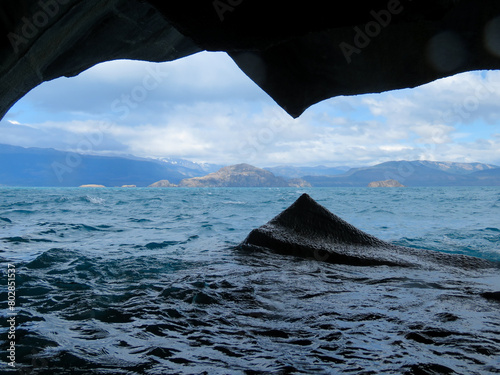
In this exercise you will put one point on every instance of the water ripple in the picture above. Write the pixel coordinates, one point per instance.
(132, 290)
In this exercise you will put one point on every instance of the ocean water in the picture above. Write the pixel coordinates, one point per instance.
(150, 281)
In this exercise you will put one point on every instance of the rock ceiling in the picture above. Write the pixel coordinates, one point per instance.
(299, 53)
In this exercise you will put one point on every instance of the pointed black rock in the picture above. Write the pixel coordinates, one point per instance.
(494, 296)
(309, 230)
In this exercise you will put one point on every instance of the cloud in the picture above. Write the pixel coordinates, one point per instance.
(461, 99)
(204, 108)
(80, 136)
(433, 133)
(224, 135)
(136, 91)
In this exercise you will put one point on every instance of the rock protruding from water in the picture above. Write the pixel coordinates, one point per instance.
(494, 296)
(239, 175)
(386, 183)
(162, 183)
(309, 230)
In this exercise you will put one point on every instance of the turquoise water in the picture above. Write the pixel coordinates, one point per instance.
(133, 281)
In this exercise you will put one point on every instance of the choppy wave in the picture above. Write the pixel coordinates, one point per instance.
(129, 289)
(94, 200)
(24, 239)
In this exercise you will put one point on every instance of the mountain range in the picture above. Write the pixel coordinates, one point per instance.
(48, 167)
(288, 171)
(241, 175)
(42, 167)
(414, 173)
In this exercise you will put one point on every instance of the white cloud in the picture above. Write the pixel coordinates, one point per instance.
(463, 98)
(203, 108)
(433, 134)
(135, 90)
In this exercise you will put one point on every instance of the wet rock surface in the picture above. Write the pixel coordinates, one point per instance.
(309, 230)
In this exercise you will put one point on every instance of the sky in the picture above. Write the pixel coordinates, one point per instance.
(204, 109)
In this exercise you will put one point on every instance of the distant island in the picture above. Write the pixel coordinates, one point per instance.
(162, 184)
(414, 173)
(92, 186)
(386, 183)
(239, 175)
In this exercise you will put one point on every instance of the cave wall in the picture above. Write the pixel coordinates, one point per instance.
(299, 53)
(47, 39)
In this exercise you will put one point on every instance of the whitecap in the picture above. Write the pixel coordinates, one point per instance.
(94, 200)
(234, 202)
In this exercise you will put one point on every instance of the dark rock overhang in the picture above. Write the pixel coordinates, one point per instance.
(299, 53)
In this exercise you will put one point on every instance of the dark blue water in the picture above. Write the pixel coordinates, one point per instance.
(148, 281)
